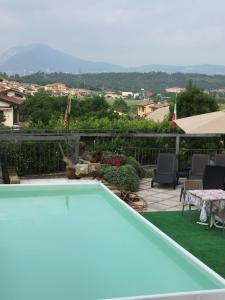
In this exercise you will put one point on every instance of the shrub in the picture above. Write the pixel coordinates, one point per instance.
(141, 172)
(124, 177)
(107, 154)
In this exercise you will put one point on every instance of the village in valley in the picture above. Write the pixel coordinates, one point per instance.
(142, 104)
(13, 94)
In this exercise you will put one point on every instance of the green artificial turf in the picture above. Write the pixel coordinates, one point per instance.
(207, 245)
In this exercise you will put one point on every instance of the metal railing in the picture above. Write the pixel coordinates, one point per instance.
(45, 157)
(33, 153)
(32, 157)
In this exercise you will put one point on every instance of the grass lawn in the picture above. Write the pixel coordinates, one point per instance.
(131, 102)
(207, 245)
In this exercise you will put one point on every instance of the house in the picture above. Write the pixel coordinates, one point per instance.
(112, 95)
(127, 95)
(159, 114)
(149, 94)
(80, 92)
(10, 102)
(175, 90)
(136, 96)
(147, 107)
(55, 87)
(144, 108)
(11, 92)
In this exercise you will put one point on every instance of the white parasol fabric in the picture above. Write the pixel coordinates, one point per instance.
(205, 123)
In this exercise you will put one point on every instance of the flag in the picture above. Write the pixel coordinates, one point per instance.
(174, 118)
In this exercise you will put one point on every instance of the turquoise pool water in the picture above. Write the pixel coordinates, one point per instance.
(77, 242)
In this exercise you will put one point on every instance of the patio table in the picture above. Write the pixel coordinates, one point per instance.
(204, 200)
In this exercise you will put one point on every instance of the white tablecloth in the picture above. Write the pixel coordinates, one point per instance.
(202, 199)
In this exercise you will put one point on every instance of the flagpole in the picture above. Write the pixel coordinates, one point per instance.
(68, 111)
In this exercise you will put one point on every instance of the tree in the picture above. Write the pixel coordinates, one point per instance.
(120, 105)
(42, 107)
(194, 101)
(93, 104)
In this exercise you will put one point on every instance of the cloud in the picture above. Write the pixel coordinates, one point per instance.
(126, 32)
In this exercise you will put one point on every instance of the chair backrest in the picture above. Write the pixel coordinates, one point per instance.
(193, 184)
(214, 177)
(199, 161)
(167, 162)
(220, 159)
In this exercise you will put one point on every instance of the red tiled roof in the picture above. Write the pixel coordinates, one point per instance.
(12, 100)
(149, 93)
(13, 90)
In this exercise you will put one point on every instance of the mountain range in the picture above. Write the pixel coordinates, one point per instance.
(24, 60)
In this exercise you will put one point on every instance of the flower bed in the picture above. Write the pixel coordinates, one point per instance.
(121, 171)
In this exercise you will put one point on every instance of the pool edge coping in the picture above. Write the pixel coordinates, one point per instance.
(193, 295)
(181, 249)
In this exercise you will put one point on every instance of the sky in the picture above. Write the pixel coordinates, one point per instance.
(123, 32)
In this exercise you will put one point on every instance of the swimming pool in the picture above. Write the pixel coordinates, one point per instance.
(79, 241)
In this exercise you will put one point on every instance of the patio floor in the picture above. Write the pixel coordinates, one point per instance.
(159, 198)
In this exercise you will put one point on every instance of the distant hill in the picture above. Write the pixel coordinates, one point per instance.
(42, 58)
(155, 81)
(197, 69)
(38, 57)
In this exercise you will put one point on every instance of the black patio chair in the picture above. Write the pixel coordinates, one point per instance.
(220, 160)
(190, 184)
(199, 161)
(214, 178)
(167, 170)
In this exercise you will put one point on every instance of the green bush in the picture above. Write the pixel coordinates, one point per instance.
(124, 177)
(141, 172)
(108, 154)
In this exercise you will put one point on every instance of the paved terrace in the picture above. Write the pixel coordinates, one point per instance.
(159, 198)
